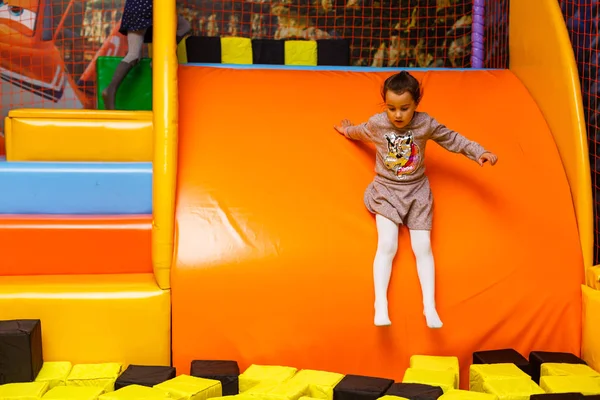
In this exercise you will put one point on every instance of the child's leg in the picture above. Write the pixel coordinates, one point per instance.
(387, 245)
(135, 41)
(421, 245)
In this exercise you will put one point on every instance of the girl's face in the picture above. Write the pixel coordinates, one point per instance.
(400, 108)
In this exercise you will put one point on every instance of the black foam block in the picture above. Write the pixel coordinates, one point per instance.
(268, 51)
(203, 49)
(359, 387)
(20, 350)
(537, 358)
(334, 52)
(502, 356)
(225, 371)
(592, 397)
(415, 391)
(558, 396)
(144, 375)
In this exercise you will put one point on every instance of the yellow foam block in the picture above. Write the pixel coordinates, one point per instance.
(390, 397)
(301, 52)
(561, 369)
(73, 393)
(136, 392)
(457, 394)
(54, 372)
(512, 389)
(94, 318)
(186, 387)
(438, 363)
(443, 378)
(269, 374)
(479, 373)
(312, 398)
(587, 385)
(320, 383)
(592, 277)
(96, 375)
(23, 391)
(590, 345)
(79, 135)
(236, 50)
(287, 390)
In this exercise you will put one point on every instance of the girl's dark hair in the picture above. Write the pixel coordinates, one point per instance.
(402, 82)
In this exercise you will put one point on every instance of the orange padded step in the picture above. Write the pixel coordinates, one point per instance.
(53, 245)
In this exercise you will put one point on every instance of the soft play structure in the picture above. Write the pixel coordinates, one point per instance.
(208, 247)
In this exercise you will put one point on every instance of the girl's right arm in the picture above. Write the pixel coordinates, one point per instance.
(355, 132)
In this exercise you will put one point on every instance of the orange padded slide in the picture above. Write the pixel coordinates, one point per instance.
(53, 245)
(275, 247)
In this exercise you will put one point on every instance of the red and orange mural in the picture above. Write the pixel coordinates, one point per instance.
(48, 50)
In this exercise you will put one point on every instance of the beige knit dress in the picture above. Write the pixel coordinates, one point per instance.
(400, 190)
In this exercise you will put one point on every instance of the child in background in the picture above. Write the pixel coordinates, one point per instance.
(400, 192)
(136, 23)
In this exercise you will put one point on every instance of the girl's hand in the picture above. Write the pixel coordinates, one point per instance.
(341, 128)
(487, 156)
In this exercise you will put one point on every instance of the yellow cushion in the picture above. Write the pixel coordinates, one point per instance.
(136, 392)
(97, 375)
(512, 389)
(456, 394)
(320, 383)
(479, 373)
(438, 363)
(236, 50)
(587, 385)
(73, 393)
(287, 390)
(443, 379)
(301, 52)
(256, 374)
(593, 277)
(23, 391)
(390, 397)
(55, 373)
(185, 387)
(559, 369)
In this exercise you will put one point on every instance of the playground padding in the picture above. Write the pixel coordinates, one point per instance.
(274, 246)
(55, 245)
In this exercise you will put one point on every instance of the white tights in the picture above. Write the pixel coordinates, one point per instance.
(387, 246)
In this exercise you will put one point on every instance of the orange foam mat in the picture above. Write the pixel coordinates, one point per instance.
(275, 248)
(53, 245)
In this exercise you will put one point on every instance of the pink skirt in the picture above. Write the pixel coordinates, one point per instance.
(409, 204)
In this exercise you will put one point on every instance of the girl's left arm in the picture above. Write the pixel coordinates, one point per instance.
(455, 142)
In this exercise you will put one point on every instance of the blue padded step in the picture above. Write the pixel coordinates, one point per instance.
(75, 188)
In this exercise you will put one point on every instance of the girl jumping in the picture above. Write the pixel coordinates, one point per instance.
(400, 193)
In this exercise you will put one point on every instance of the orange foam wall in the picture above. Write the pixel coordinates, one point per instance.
(274, 246)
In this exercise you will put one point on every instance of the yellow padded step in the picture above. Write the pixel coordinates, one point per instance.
(592, 277)
(79, 135)
(93, 318)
